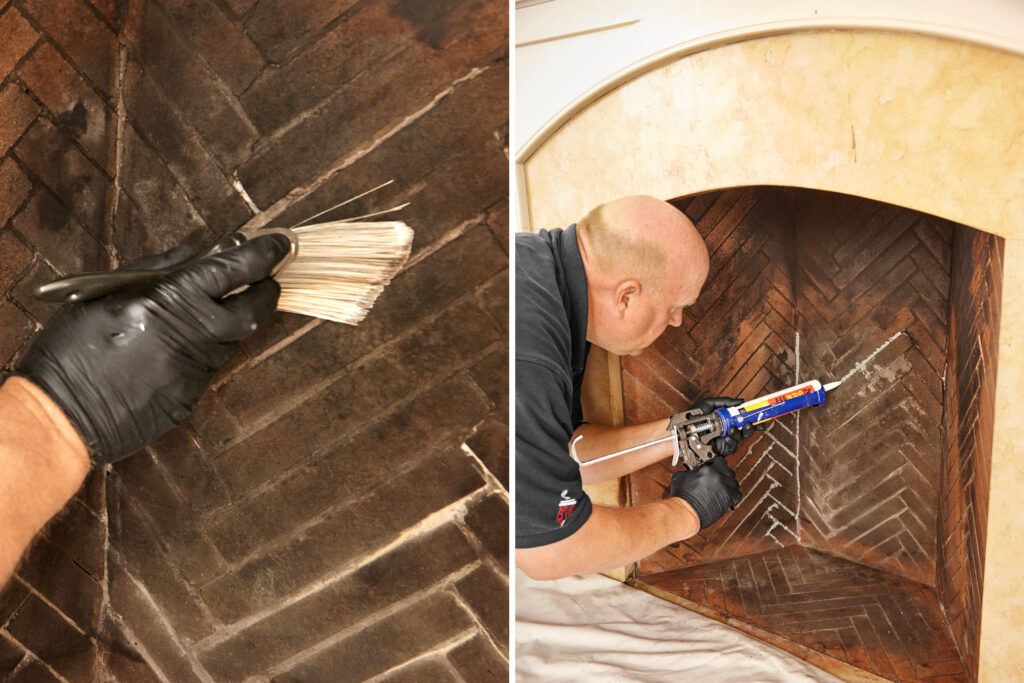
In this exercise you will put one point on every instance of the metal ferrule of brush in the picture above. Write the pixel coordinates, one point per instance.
(694, 432)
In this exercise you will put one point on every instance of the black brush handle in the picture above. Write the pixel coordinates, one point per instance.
(87, 286)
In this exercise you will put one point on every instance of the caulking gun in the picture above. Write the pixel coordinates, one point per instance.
(692, 431)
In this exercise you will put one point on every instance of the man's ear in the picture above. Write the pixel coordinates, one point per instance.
(625, 295)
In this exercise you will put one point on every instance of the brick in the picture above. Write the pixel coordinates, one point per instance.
(173, 518)
(135, 540)
(407, 569)
(109, 10)
(47, 635)
(68, 173)
(352, 530)
(477, 660)
(93, 494)
(286, 90)
(17, 328)
(491, 375)
(220, 39)
(490, 443)
(497, 220)
(240, 7)
(430, 285)
(370, 104)
(148, 631)
(187, 465)
(133, 237)
(15, 258)
(47, 569)
(488, 520)
(382, 449)
(32, 671)
(407, 633)
(433, 670)
(48, 225)
(11, 597)
(19, 111)
(185, 80)
(487, 594)
(10, 656)
(412, 363)
(280, 27)
(19, 36)
(184, 153)
(14, 188)
(78, 111)
(90, 43)
(38, 273)
(493, 298)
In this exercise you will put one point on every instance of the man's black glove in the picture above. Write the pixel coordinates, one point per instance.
(711, 489)
(127, 367)
(725, 445)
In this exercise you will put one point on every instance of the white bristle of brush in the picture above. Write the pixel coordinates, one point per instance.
(341, 268)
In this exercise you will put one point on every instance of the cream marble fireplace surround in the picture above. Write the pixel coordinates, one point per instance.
(930, 122)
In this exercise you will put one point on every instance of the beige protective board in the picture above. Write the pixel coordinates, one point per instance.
(1002, 617)
(918, 121)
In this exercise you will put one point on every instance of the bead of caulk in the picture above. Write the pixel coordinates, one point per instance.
(253, 326)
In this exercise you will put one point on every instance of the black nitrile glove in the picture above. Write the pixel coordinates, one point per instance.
(725, 445)
(127, 367)
(711, 490)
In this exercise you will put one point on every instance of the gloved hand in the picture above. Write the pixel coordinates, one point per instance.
(711, 490)
(725, 445)
(127, 367)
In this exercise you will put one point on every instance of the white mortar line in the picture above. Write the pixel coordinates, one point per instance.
(46, 601)
(240, 189)
(431, 522)
(281, 205)
(439, 652)
(29, 654)
(367, 622)
(861, 365)
(188, 653)
(491, 480)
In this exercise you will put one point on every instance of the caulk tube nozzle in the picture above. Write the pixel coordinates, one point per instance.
(832, 385)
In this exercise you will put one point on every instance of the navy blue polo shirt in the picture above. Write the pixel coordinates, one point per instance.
(551, 354)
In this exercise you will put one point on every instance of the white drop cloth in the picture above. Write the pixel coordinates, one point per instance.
(597, 629)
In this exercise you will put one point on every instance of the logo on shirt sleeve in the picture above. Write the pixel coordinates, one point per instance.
(565, 508)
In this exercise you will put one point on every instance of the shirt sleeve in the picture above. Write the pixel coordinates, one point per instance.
(550, 502)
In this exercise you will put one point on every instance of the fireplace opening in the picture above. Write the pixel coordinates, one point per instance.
(861, 534)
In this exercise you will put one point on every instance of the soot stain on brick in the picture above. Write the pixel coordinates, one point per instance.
(74, 120)
(53, 214)
(433, 20)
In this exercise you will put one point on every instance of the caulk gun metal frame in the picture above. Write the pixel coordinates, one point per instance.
(692, 431)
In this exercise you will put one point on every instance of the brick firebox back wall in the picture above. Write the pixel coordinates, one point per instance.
(892, 472)
(291, 527)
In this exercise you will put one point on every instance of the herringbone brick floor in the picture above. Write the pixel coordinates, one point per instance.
(336, 508)
(880, 622)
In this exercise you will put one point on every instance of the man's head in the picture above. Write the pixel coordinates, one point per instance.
(645, 262)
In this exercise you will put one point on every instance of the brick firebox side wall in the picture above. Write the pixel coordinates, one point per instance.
(293, 523)
(969, 414)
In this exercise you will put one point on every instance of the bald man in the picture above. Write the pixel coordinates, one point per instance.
(618, 278)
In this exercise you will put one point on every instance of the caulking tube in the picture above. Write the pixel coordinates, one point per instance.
(766, 408)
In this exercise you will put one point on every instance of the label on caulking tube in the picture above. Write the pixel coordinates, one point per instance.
(765, 408)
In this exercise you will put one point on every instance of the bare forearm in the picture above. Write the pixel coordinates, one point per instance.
(600, 440)
(43, 462)
(612, 537)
